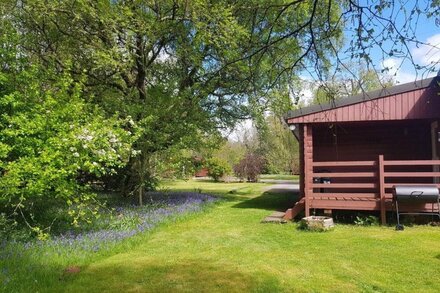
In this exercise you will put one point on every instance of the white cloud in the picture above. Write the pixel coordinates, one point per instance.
(390, 65)
(424, 55)
(393, 69)
(428, 54)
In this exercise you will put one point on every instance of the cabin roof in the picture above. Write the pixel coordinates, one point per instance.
(332, 113)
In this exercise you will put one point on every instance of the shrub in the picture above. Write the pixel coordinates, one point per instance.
(366, 221)
(250, 167)
(217, 168)
(51, 139)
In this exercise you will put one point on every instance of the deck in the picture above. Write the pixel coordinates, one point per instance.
(363, 185)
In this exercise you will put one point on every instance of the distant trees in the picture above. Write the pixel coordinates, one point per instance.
(343, 84)
(230, 151)
(281, 149)
(249, 167)
(273, 149)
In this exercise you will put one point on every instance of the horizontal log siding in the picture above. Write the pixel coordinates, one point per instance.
(355, 147)
(348, 155)
(364, 142)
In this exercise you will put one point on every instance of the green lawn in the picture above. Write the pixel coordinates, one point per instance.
(227, 249)
(279, 177)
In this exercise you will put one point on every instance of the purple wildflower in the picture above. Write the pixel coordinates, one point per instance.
(135, 219)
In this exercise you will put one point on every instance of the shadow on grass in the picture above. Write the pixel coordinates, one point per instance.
(275, 199)
(151, 275)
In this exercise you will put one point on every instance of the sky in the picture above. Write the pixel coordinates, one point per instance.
(428, 31)
(400, 69)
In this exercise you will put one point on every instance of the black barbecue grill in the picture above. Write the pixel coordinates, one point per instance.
(416, 194)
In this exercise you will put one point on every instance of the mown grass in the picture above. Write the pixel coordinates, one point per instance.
(227, 249)
(279, 177)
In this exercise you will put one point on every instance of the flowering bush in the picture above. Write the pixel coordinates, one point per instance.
(50, 135)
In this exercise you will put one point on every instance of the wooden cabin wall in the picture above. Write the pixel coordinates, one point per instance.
(357, 142)
(366, 141)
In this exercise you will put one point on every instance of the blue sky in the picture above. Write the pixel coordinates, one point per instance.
(400, 69)
(426, 31)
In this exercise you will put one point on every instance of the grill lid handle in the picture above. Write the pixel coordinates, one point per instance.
(416, 193)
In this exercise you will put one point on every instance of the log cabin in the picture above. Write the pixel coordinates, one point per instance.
(354, 150)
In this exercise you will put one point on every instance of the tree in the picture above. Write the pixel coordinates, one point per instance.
(49, 139)
(249, 167)
(342, 84)
(231, 152)
(180, 69)
(281, 150)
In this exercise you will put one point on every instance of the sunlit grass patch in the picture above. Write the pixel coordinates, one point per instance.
(227, 249)
(280, 177)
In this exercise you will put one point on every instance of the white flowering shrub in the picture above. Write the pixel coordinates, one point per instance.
(47, 138)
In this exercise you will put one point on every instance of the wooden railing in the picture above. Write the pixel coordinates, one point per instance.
(365, 184)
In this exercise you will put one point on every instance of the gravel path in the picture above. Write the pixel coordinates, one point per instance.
(283, 187)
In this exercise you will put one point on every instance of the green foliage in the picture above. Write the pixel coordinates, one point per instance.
(350, 82)
(281, 149)
(366, 220)
(231, 152)
(125, 222)
(217, 168)
(7, 226)
(181, 70)
(180, 162)
(50, 137)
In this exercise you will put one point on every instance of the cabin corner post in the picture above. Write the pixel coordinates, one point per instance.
(301, 161)
(383, 217)
(308, 166)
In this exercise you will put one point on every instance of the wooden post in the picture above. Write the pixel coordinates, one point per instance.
(434, 147)
(383, 211)
(308, 166)
(301, 162)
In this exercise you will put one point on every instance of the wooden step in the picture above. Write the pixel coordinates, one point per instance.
(297, 208)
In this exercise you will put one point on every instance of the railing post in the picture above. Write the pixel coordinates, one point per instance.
(308, 166)
(383, 211)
